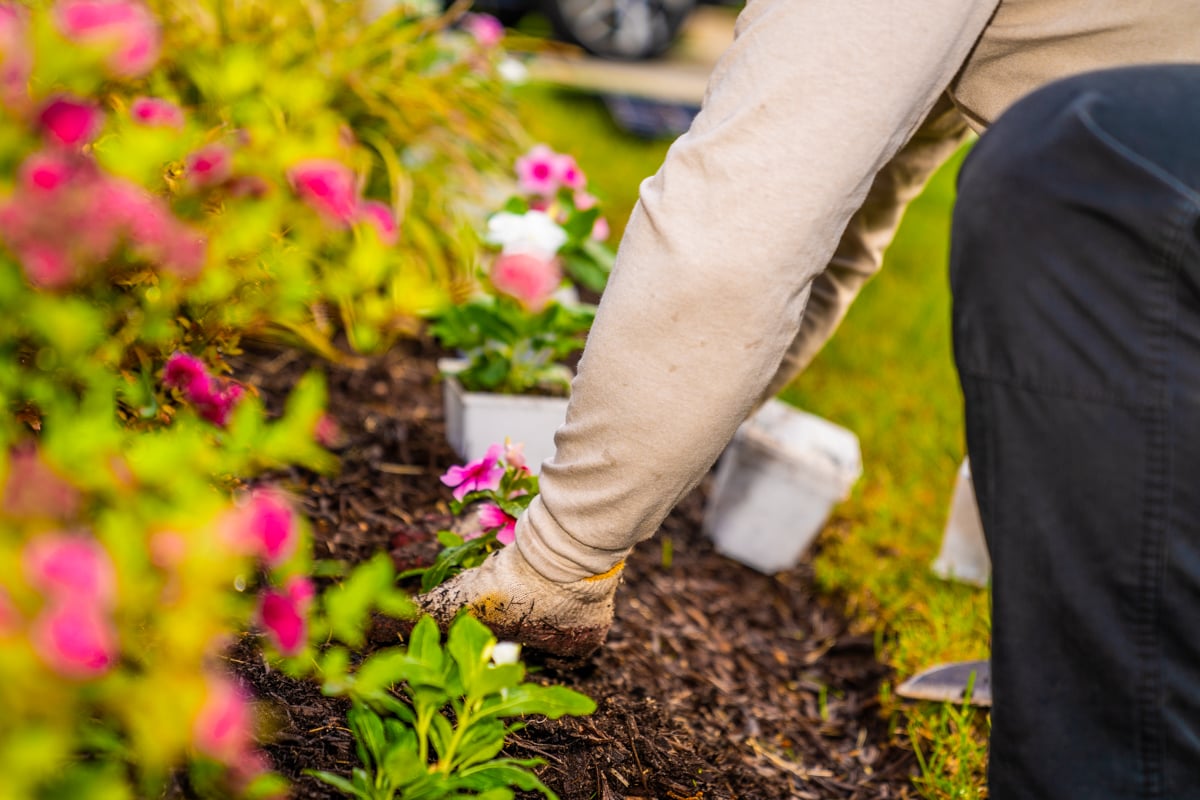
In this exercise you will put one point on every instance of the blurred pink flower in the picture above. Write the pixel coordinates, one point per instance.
(69, 121)
(212, 400)
(537, 171)
(10, 617)
(272, 526)
(46, 265)
(600, 231)
(382, 219)
(327, 186)
(224, 727)
(478, 476)
(585, 201)
(45, 171)
(125, 27)
(209, 166)
(568, 172)
(283, 614)
(167, 549)
(487, 30)
(16, 55)
(34, 489)
(529, 278)
(327, 432)
(75, 638)
(493, 517)
(71, 566)
(514, 454)
(156, 112)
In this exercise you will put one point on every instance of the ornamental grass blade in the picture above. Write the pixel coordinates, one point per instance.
(968, 682)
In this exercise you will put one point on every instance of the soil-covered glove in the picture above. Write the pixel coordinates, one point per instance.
(569, 620)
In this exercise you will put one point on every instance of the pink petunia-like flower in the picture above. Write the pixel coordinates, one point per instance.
(483, 475)
(75, 638)
(125, 28)
(70, 122)
(493, 517)
(380, 217)
(327, 186)
(155, 112)
(283, 615)
(224, 727)
(34, 489)
(211, 165)
(16, 55)
(486, 29)
(568, 173)
(537, 171)
(45, 171)
(529, 278)
(71, 566)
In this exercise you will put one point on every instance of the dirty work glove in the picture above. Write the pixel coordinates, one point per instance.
(569, 620)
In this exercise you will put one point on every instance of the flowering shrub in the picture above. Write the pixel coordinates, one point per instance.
(496, 490)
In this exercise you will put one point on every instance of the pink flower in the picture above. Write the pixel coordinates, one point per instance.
(126, 28)
(70, 122)
(327, 186)
(380, 217)
(45, 172)
(46, 265)
(529, 278)
(479, 476)
(492, 516)
(71, 566)
(155, 112)
(600, 231)
(514, 454)
(273, 526)
(283, 615)
(487, 30)
(224, 727)
(209, 166)
(185, 372)
(75, 638)
(212, 400)
(568, 172)
(537, 171)
(34, 489)
(327, 432)
(16, 55)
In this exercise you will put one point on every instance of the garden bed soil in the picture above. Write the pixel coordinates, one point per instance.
(715, 682)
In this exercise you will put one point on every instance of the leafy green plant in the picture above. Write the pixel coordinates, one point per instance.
(510, 350)
(440, 733)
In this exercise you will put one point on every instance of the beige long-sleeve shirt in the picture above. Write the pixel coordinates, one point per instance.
(821, 121)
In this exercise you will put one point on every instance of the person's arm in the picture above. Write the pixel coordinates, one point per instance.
(810, 102)
(859, 254)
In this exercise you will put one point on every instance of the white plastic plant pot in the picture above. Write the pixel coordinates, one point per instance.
(477, 420)
(777, 484)
(964, 554)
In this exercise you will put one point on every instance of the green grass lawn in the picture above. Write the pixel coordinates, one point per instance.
(888, 376)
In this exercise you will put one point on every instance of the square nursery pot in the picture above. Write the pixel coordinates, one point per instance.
(964, 554)
(776, 485)
(477, 420)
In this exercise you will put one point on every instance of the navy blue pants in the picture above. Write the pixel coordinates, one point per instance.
(1075, 266)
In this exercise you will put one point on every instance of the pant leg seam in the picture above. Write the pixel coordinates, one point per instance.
(1071, 393)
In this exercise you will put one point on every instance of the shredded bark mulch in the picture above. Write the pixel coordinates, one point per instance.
(715, 682)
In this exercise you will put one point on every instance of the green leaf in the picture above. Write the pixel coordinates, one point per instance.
(468, 642)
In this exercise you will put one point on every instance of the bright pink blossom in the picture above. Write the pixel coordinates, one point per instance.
(537, 171)
(34, 489)
(568, 172)
(483, 475)
(69, 121)
(493, 517)
(183, 370)
(156, 112)
(382, 219)
(486, 29)
(75, 638)
(16, 55)
(529, 278)
(272, 524)
(211, 165)
(224, 727)
(283, 614)
(71, 566)
(327, 186)
(125, 28)
(214, 400)
(45, 171)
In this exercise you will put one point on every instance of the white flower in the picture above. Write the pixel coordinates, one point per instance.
(506, 653)
(512, 71)
(533, 232)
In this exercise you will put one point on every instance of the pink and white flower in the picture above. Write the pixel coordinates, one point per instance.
(71, 567)
(493, 517)
(45, 171)
(486, 29)
(530, 279)
(329, 187)
(537, 171)
(284, 615)
(568, 173)
(75, 638)
(69, 121)
(155, 112)
(125, 28)
(211, 165)
(483, 475)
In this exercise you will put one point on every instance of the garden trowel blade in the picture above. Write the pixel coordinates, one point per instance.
(949, 683)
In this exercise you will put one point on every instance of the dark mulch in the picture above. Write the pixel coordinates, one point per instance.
(716, 682)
